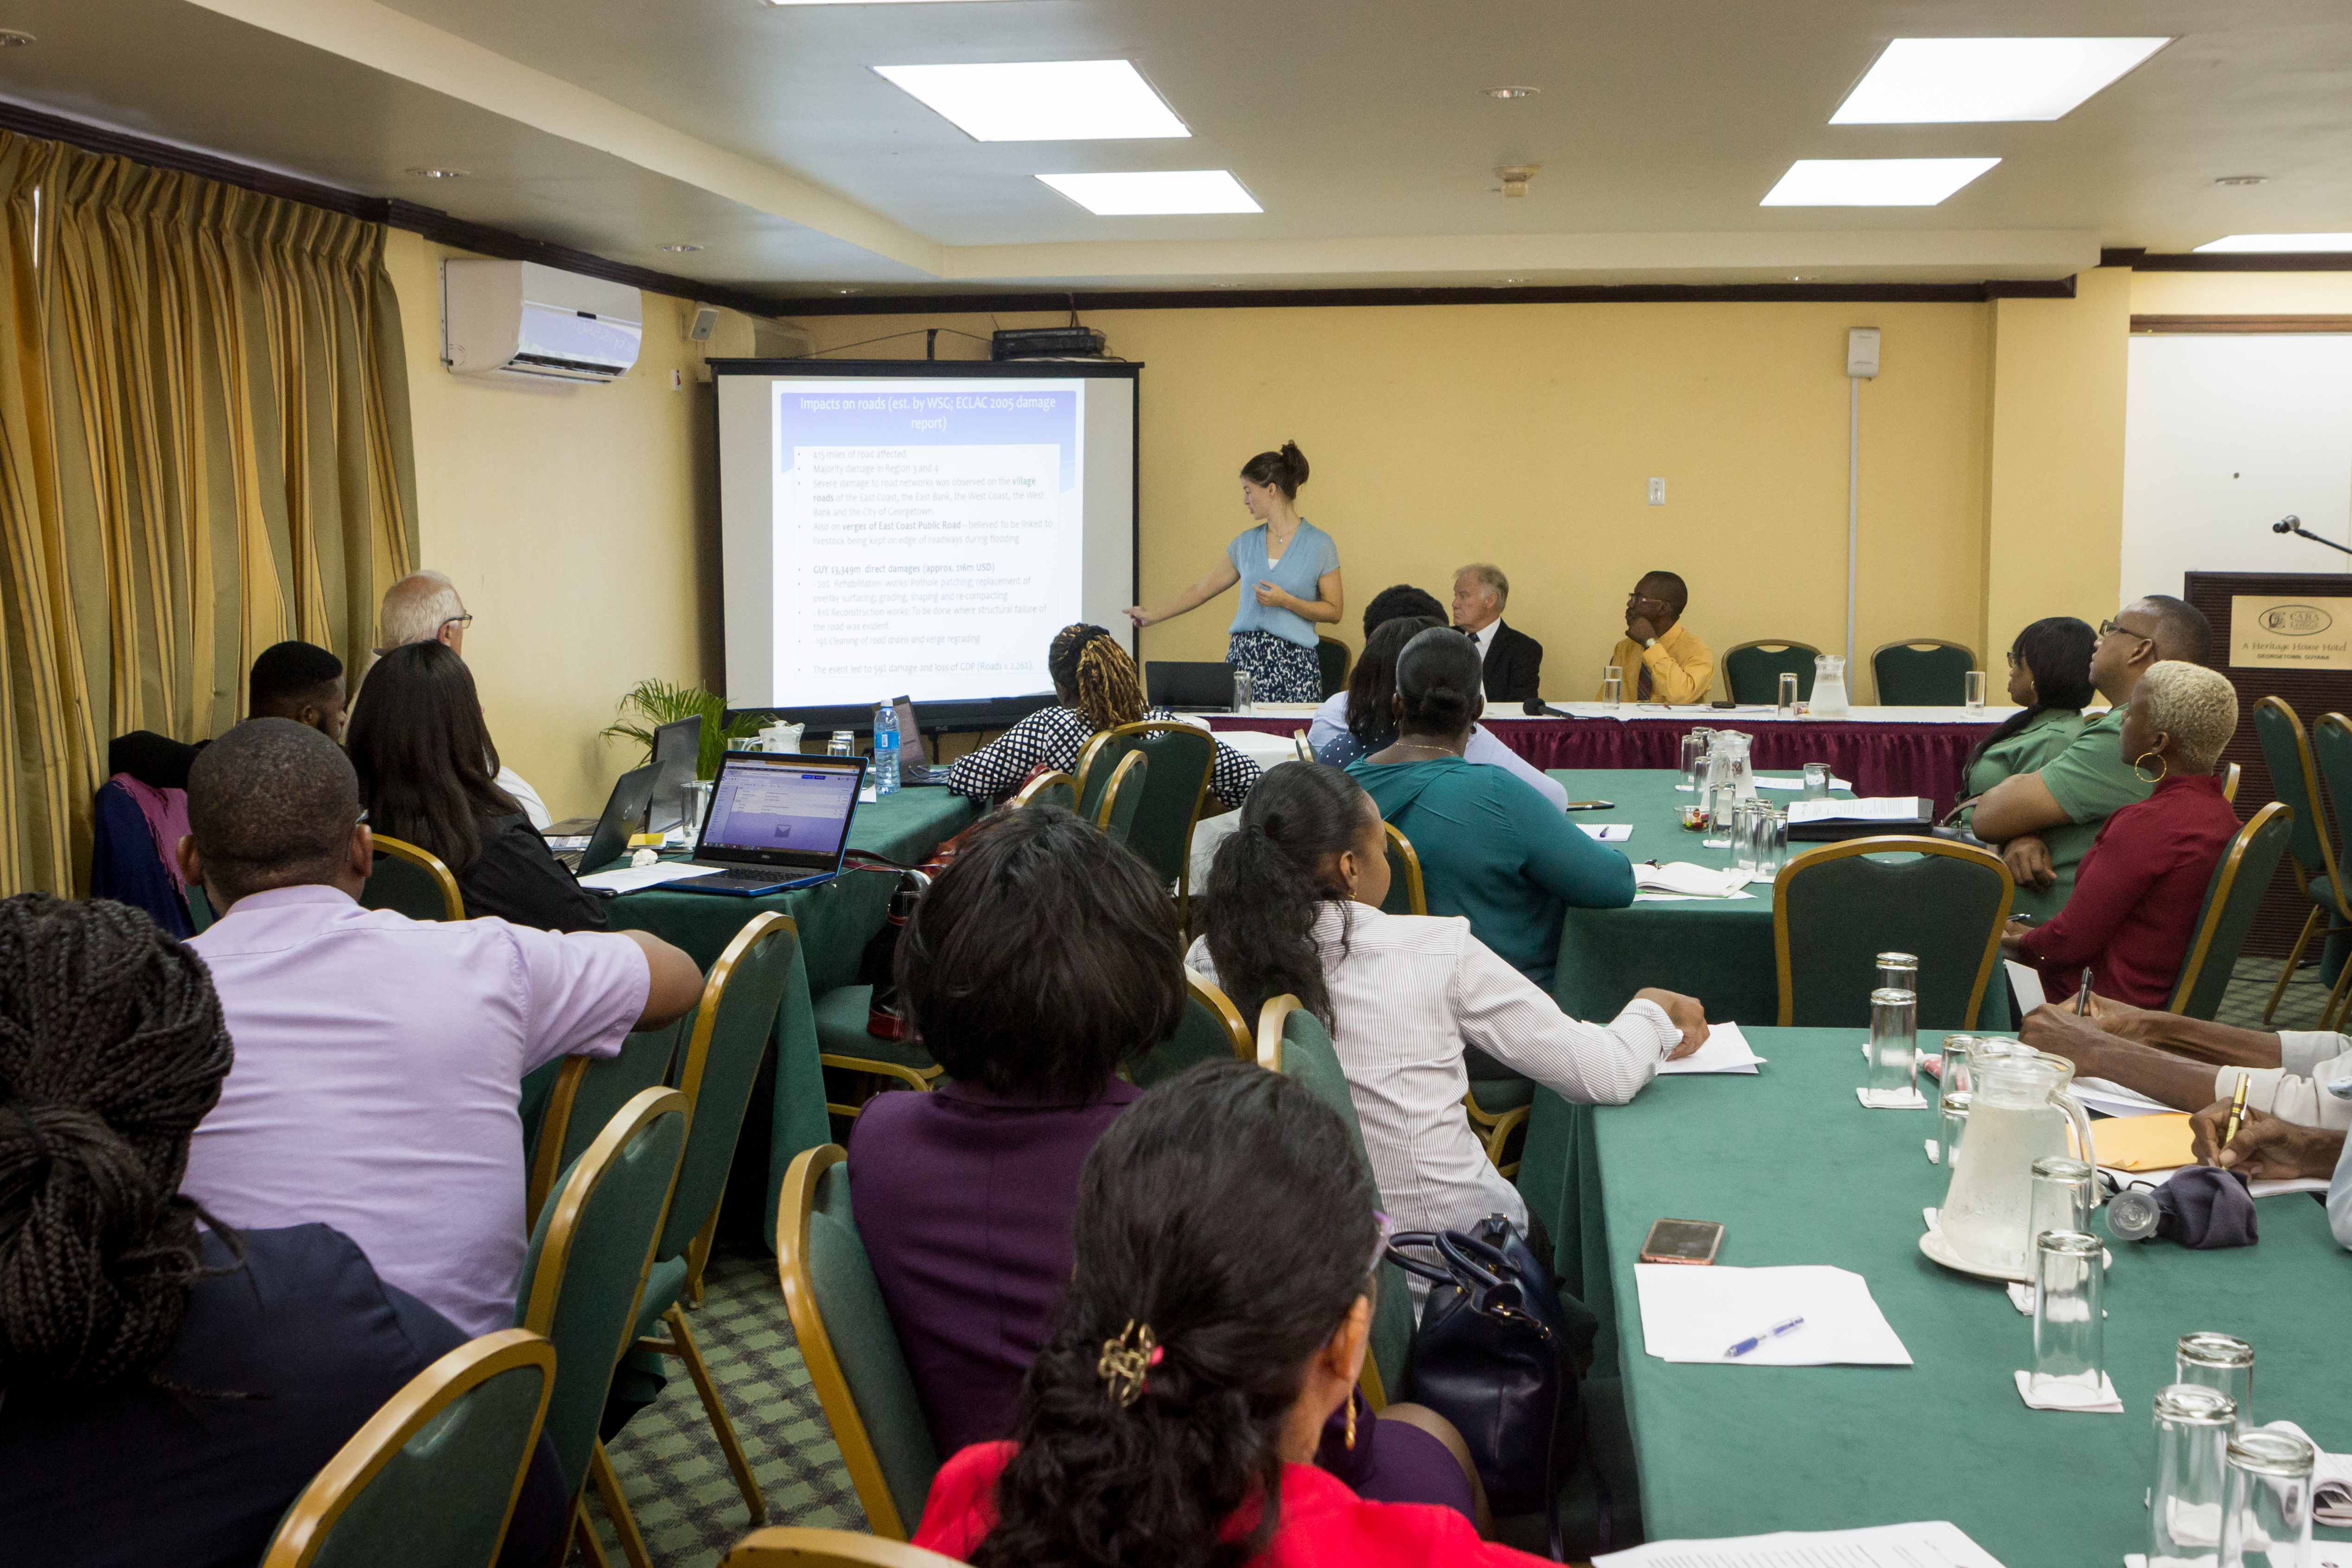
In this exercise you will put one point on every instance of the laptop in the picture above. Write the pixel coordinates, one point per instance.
(776, 822)
(914, 762)
(678, 747)
(624, 809)
(1189, 688)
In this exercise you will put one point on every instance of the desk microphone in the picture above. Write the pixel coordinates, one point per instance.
(2291, 524)
(1536, 707)
(2286, 525)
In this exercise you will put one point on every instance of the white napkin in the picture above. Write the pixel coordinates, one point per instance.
(2109, 1403)
(2331, 1480)
(1890, 1099)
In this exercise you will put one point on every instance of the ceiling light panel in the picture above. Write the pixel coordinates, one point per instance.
(1872, 181)
(1049, 100)
(1932, 81)
(1154, 192)
(2279, 243)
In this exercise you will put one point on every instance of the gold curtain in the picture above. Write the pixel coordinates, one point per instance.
(204, 450)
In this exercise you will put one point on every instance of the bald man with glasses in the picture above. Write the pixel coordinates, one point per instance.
(2043, 821)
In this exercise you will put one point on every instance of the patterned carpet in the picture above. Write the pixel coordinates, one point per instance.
(679, 1484)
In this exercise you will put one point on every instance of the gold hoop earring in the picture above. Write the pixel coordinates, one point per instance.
(1352, 1419)
(2164, 768)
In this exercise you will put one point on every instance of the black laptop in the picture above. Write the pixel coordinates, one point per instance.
(776, 822)
(624, 809)
(1203, 686)
(677, 749)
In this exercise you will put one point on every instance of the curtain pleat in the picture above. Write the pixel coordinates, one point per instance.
(204, 450)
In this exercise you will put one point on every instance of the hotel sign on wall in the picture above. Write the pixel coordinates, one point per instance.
(2296, 634)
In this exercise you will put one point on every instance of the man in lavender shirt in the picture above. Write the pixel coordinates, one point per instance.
(378, 1059)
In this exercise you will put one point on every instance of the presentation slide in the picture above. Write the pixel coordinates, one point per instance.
(886, 532)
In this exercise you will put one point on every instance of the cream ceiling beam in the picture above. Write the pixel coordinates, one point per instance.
(414, 51)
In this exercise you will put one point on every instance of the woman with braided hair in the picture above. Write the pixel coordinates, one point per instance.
(1096, 688)
(167, 1388)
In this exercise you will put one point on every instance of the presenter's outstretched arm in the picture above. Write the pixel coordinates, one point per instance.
(1329, 603)
(1221, 577)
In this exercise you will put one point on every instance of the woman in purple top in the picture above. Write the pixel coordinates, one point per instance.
(1043, 958)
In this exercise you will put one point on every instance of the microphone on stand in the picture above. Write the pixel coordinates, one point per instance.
(2291, 524)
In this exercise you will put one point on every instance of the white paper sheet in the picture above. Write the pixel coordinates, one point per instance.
(2115, 1100)
(2123, 1179)
(2026, 982)
(1836, 783)
(1725, 1050)
(1693, 1314)
(630, 878)
(1934, 1544)
(1652, 895)
(1689, 879)
(1877, 808)
(1608, 833)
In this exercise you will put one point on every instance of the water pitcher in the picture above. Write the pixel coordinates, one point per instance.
(1828, 687)
(2019, 1112)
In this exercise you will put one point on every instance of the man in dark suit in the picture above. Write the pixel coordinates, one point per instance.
(1514, 660)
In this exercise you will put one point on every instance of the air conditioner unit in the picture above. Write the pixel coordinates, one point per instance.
(517, 318)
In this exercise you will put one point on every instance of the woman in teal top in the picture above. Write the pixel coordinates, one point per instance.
(1291, 569)
(1491, 849)
(2050, 680)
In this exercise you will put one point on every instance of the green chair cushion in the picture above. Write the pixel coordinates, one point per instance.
(1844, 913)
(405, 889)
(1200, 1037)
(841, 1016)
(1496, 1095)
(1753, 674)
(738, 1043)
(1922, 677)
(857, 1323)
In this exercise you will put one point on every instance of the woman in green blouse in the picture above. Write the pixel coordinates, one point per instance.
(2050, 680)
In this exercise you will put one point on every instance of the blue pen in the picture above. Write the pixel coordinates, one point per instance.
(1775, 1332)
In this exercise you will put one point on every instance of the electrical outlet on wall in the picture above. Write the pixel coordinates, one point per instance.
(678, 381)
(1657, 492)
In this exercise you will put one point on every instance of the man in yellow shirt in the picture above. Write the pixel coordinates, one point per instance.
(1662, 661)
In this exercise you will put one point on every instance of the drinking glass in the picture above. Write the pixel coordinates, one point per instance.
(2220, 1362)
(1613, 685)
(1788, 703)
(2266, 1501)
(1951, 1121)
(2069, 1332)
(1743, 836)
(1771, 840)
(2062, 1195)
(1894, 1042)
(1244, 692)
(2184, 1505)
(1695, 746)
(1898, 971)
(698, 806)
(1973, 694)
(1817, 780)
(840, 743)
(1953, 1070)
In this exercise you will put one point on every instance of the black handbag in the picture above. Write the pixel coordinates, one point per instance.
(1494, 1356)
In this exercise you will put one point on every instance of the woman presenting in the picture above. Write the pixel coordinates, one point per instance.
(1292, 570)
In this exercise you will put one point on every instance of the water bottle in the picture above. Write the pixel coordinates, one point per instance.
(885, 750)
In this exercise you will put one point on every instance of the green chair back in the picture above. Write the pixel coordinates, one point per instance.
(1752, 671)
(1049, 789)
(1211, 1029)
(1407, 894)
(850, 1346)
(200, 908)
(413, 882)
(581, 1094)
(1837, 907)
(1293, 1041)
(1923, 672)
(587, 1258)
(1123, 796)
(2295, 783)
(2232, 898)
(1179, 757)
(431, 1481)
(1331, 659)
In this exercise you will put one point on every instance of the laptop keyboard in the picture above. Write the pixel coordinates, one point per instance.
(750, 878)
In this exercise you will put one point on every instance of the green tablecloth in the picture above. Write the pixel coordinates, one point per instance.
(1798, 1173)
(1718, 950)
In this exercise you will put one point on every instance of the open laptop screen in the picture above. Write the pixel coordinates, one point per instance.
(780, 810)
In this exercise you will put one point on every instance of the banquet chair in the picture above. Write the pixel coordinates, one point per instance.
(785, 1546)
(2232, 898)
(2331, 750)
(1498, 1107)
(1922, 672)
(850, 1346)
(582, 1274)
(583, 1093)
(2311, 849)
(1837, 907)
(1122, 798)
(431, 1481)
(1332, 658)
(1406, 893)
(2227, 773)
(1212, 1027)
(1299, 742)
(1752, 671)
(1182, 757)
(413, 882)
(1055, 788)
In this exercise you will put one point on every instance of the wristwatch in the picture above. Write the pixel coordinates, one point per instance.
(1649, 643)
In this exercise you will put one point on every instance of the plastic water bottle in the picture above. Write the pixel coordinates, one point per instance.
(885, 750)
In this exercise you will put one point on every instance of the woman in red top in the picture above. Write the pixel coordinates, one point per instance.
(1217, 1315)
(2141, 885)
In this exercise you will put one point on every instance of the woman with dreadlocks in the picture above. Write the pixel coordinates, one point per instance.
(166, 1387)
(1096, 688)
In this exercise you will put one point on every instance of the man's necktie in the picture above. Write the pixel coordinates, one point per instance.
(1641, 684)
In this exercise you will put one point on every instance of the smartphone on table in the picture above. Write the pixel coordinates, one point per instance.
(1683, 1241)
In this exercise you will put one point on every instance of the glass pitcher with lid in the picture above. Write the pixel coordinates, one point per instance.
(2020, 1112)
(1828, 687)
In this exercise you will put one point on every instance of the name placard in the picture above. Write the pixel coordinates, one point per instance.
(2300, 633)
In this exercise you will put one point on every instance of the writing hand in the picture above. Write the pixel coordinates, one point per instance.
(2266, 1148)
(1687, 1014)
(1268, 594)
(2054, 1028)
(2029, 861)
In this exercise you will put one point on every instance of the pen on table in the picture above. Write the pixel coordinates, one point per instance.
(2237, 1112)
(1752, 1341)
(1590, 805)
(2082, 996)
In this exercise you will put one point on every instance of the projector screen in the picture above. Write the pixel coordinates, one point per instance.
(919, 528)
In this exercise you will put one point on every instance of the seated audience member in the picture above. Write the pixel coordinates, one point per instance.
(1491, 849)
(424, 607)
(1661, 660)
(1513, 661)
(1096, 688)
(2141, 885)
(171, 1386)
(2303, 1078)
(378, 1059)
(2050, 680)
(427, 771)
(1041, 958)
(1212, 1335)
(1402, 600)
(1373, 722)
(299, 681)
(1293, 907)
(2043, 820)
(2269, 1148)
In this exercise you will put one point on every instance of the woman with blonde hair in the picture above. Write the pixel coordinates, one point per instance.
(2141, 884)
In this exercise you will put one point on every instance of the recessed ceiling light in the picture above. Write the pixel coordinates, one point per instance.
(848, 291)
(1922, 81)
(1872, 181)
(2243, 179)
(681, 248)
(1511, 91)
(438, 174)
(1501, 280)
(1156, 191)
(12, 39)
(1047, 101)
(2279, 243)
(842, 2)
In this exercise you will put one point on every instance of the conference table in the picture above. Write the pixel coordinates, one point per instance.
(1797, 1173)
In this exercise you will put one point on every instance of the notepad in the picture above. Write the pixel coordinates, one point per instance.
(1693, 1314)
(1877, 808)
(1764, 783)
(2160, 1142)
(1725, 1050)
(1685, 879)
(631, 878)
(1608, 833)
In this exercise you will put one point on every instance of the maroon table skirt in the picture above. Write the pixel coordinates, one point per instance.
(1882, 759)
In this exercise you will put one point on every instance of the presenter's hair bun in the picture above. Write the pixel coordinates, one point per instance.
(1285, 470)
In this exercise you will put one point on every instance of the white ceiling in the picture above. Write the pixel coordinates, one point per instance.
(758, 132)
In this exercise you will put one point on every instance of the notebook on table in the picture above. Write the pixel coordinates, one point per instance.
(776, 822)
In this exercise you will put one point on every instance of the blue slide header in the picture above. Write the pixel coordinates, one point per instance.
(1018, 414)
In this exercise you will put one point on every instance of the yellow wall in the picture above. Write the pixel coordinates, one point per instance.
(2242, 293)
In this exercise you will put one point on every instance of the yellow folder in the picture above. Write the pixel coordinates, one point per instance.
(2144, 1143)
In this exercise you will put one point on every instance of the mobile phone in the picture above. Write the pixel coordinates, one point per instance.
(1682, 1241)
(1723, 705)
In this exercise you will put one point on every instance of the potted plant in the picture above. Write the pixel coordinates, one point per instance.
(649, 705)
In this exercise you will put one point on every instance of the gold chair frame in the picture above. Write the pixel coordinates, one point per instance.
(425, 861)
(1890, 843)
(1416, 895)
(784, 1546)
(1298, 740)
(1974, 664)
(1027, 794)
(1237, 1029)
(2229, 773)
(2202, 945)
(2329, 869)
(1723, 660)
(1495, 1127)
(1122, 778)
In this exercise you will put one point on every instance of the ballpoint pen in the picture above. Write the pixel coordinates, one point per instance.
(1752, 1341)
(2237, 1112)
(2082, 996)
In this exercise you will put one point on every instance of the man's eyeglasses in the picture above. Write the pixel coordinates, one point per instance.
(1640, 598)
(459, 622)
(2109, 628)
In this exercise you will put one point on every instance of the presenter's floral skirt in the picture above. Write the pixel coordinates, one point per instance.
(1280, 670)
